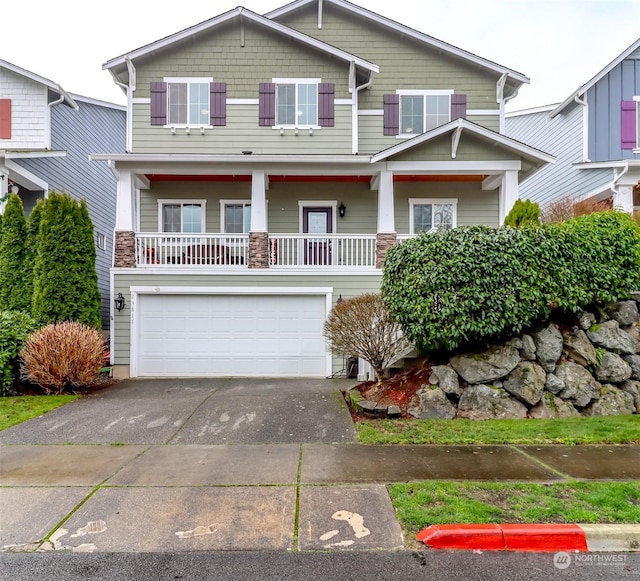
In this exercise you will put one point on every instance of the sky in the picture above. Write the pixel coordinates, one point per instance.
(558, 44)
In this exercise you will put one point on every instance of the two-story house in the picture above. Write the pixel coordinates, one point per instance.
(46, 136)
(594, 135)
(272, 161)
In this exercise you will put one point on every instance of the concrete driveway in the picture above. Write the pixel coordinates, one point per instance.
(197, 411)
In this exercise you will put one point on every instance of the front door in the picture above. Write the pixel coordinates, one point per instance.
(317, 249)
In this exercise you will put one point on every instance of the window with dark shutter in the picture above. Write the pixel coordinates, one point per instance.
(5, 118)
(629, 125)
(326, 104)
(267, 105)
(158, 103)
(391, 104)
(218, 104)
(458, 107)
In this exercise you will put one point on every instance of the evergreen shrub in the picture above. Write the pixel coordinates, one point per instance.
(15, 328)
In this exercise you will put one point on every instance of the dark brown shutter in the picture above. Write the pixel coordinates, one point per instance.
(628, 124)
(326, 104)
(267, 105)
(391, 114)
(458, 107)
(5, 118)
(218, 104)
(158, 103)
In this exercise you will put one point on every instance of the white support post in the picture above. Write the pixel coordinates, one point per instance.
(124, 206)
(258, 202)
(623, 199)
(386, 212)
(508, 194)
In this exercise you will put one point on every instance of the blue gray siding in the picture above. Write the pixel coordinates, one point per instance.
(93, 128)
(622, 83)
(561, 137)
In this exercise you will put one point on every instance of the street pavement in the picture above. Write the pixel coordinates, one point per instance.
(177, 466)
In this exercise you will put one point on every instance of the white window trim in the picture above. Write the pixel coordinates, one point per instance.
(420, 93)
(302, 204)
(424, 201)
(294, 81)
(101, 241)
(223, 203)
(182, 202)
(188, 80)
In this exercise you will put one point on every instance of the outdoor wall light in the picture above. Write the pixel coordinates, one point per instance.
(119, 301)
(342, 209)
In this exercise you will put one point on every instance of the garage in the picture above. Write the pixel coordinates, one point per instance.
(230, 335)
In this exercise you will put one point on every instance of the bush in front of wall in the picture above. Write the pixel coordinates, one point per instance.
(15, 328)
(475, 284)
(65, 283)
(13, 268)
(63, 356)
(523, 213)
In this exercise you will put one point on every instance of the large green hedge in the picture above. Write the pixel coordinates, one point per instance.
(13, 296)
(473, 284)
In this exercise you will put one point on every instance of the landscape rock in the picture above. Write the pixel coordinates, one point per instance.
(432, 403)
(484, 402)
(612, 368)
(393, 412)
(551, 406)
(549, 343)
(579, 385)
(625, 312)
(526, 382)
(553, 383)
(610, 336)
(585, 320)
(634, 333)
(634, 363)
(446, 378)
(528, 350)
(496, 362)
(633, 388)
(578, 348)
(612, 402)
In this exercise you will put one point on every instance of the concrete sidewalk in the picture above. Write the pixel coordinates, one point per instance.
(134, 498)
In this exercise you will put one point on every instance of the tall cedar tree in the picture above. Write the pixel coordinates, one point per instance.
(31, 249)
(65, 283)
(13, 295)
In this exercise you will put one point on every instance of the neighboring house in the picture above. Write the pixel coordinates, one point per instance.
(46, 136)
(272, 161)
(595, 136)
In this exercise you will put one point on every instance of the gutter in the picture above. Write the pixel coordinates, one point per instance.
(585, 128)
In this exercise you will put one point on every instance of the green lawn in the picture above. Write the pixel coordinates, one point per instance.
(595, 430)
(420, 504)
(14, 410)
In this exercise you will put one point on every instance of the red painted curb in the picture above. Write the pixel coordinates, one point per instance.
(514, 537)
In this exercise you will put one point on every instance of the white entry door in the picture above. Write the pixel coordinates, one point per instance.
(231, 336)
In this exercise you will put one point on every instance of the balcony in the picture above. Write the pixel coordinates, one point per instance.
(155, 249)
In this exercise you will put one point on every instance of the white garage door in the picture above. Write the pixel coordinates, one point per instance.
(223, 335)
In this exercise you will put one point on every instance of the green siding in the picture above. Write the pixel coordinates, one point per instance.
(242, 133)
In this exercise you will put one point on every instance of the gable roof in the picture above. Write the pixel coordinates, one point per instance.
(590, 83)
(518, 78)
(68, 99)
(239, 12)
(533, 156)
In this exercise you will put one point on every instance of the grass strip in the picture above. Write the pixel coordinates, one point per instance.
(17, 409)
(568, 431)
(420, 504)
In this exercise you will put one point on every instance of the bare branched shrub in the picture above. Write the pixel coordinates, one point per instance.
(362, 326)
(566, 208)
(62, 356)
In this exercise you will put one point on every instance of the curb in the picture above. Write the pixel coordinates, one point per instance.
(549, 538)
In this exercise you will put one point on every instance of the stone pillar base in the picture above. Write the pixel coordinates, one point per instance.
(258, 250)
(124, 255)
(383, 243)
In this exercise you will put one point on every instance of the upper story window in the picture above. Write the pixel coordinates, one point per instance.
(411, 112)
(188, 102)
(298, 103)
(426, 215)
(182, 215)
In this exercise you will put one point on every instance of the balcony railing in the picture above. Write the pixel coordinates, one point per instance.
(153, 249)
(322, 250)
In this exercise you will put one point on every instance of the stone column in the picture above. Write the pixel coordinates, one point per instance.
(258, 250)
(383, 243)
(124, 252)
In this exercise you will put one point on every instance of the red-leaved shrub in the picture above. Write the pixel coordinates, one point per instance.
(62, 356)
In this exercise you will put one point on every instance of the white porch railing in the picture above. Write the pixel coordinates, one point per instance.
(322, 250)
(153, 249)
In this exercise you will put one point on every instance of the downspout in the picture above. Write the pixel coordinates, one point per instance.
(501, 99)
(585, 129)
(617, 177)
(356, 101)
(129, 90)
